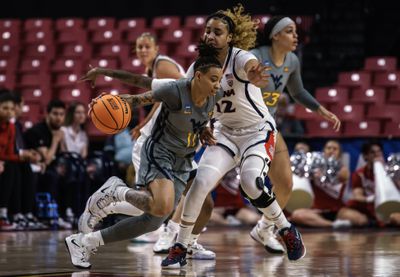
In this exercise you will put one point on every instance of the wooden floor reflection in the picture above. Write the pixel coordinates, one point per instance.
(355, 253)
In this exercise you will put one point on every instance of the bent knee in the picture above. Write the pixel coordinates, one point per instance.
(162, 209)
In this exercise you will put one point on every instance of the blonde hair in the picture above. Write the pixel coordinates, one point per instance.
(245, 32)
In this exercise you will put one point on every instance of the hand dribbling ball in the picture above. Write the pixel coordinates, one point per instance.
(110, 114)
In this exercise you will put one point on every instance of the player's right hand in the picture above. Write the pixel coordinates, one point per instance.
(90, 76)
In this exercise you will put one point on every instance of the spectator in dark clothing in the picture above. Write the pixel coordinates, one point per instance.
(46, 137)
(9, 179)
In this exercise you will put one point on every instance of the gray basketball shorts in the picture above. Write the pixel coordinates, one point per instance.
(157, 162)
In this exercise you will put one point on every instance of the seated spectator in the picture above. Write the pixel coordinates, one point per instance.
(10, 177)
(360, 209)
(328, 197)
(24, 197)
(75, 136)
(230, 208)
(47, 137)
(302, 147)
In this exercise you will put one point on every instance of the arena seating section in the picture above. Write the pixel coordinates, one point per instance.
(44, 58)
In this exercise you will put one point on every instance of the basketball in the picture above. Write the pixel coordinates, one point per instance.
(110, 114)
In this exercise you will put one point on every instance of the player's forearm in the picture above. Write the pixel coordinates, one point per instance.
(126, 77)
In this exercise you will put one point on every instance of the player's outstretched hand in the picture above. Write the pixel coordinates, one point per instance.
(330, 117)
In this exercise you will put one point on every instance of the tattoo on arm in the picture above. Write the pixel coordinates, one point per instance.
(133, 79)
(143, 99)
(140, 199)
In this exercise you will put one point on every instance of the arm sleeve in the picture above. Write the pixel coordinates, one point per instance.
(296, 89)
(241, 60)
(168, 94)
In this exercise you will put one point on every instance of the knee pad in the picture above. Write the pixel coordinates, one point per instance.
(266, 197)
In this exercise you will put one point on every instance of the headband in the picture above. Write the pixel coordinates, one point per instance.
(227, 19)
(280, 25)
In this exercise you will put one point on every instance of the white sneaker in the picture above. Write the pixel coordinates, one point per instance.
(78, 253)
(64, 224)
(104, 196)
(267, 237)
(198, 252)
(165, 241)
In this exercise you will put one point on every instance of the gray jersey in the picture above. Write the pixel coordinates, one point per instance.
(286, 75)
(179, 123)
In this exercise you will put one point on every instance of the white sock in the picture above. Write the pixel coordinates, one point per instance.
(265, 222)
(193, 239)
(173, 226)
(93, 239)
(121, 193)
(3, 212)
(184, 234)
(274, 213)
(122, 208)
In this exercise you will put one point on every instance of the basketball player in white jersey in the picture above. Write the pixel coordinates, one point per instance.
(160, 67)
(245, 135)
(275, 45)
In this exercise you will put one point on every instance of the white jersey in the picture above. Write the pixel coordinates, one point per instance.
(242, 105)
(146, 129)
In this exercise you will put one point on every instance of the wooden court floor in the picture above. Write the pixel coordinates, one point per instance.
(366, 252)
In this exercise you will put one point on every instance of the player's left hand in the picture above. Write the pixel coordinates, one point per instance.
(330, 117)
(258, 75)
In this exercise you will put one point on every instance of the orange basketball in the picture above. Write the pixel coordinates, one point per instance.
(110, 114)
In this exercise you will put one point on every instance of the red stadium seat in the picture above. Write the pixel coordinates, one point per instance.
(362, 129)
(129, 24)
(106, 36)
(34, 65)
(42, 51)
(323, 128)
(72, 36)
(9, 23)
(355, 79)
(332, 95)
(8, 64)
(39, 36)
(176, 35)
(133, 65)
(374, 96)
(384, 112)
(132, 35)
(9, 51)
(101, 62)
(302, 113)
(187, 51)
(391, 129)
(76, 50)
(7, 80)
(387, 79)
(394, 96)
(380, 64)
(36, 80)
(9, 36)
(31, 110)
(79, 93)
(67, 65)
(41, 95)
(195, 22)
(38, 24)
(353, 113)
(101, 23)
(113, 51)
(66, 80)
(63, 24)
(166, 22)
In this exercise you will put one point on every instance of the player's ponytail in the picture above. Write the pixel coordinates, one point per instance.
(208, 57)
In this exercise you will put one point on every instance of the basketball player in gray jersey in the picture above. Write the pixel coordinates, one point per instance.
(166, 157)
(274, 50)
